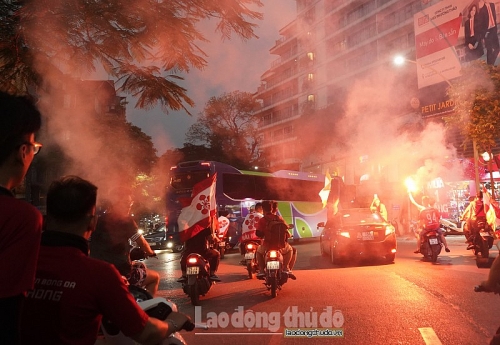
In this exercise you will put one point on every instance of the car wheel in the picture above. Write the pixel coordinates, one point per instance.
(322, 249)
(389, 258)
(333, 256)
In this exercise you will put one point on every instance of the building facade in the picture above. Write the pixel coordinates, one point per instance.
(323, 54)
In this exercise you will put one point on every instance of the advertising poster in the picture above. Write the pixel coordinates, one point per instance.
(447, 35)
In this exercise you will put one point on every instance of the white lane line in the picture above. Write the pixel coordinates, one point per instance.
(429, 336)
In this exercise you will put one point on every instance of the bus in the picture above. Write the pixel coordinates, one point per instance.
(236, 191)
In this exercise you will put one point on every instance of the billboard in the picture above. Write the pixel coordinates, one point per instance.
(447, 35)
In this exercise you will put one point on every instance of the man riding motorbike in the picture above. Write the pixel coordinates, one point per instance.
(474, 213)
(200, 244)
(289, 253)
(429, 221)
(249, 226)
(110, 242)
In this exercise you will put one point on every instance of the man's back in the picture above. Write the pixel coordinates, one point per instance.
(71, 292)
(429, 218)
(274, 229)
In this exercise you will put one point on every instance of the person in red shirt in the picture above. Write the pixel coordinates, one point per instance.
(73, 291)
(20, 222)
(429, 220)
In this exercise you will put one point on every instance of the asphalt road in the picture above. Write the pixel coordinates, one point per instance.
(408, 302)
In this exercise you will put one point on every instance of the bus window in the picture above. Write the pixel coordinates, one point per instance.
(188, 180)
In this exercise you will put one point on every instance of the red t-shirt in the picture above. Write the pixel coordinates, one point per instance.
(20, 230)
(72, 292)
(429, 219)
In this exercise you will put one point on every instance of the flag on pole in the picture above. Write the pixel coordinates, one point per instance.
(198, 214)
(323, 194)
(494, 209)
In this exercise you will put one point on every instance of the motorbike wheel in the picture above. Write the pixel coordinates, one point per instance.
(194, 295)
(434, 253)
(178, 248)
(250, 270)
(222, 250)
(274, 287)
(485, 250)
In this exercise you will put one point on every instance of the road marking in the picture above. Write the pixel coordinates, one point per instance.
(429, 336)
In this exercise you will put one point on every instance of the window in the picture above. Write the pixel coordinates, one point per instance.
(310, 56)
(310, 98)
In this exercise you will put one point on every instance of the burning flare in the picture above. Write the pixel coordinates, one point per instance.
(410, 185)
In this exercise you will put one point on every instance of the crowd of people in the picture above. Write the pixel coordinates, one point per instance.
(63, 287)
(76, 265)
(56, 293)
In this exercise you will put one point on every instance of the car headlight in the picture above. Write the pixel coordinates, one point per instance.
(344, 234)
(389, 229)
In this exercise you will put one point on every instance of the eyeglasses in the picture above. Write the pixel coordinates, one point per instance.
(36, 146)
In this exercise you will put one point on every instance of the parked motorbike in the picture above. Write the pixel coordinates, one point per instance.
(158, 308)
(431, 245)
(482, 239)
(198, 280)
(250, 257)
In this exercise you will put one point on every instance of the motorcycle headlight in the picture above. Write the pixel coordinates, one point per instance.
(169, 245)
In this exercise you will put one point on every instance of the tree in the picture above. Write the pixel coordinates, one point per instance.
(144, 45)
(476, 96)
(229, 128)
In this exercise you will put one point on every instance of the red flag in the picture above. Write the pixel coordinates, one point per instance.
(197, 216)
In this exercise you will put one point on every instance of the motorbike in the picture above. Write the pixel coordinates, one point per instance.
(158, 308)
(274, 275)
(138, 256)
(222, 235)
(482, 239)
(250, 257)
(197, 280)
(431, 245)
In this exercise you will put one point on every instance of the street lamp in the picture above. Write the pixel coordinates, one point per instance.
(488, 157)
(399, 60)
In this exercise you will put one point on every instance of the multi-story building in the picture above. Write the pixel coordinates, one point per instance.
(321, 55)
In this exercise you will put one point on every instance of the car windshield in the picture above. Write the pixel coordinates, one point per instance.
(360, 216)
